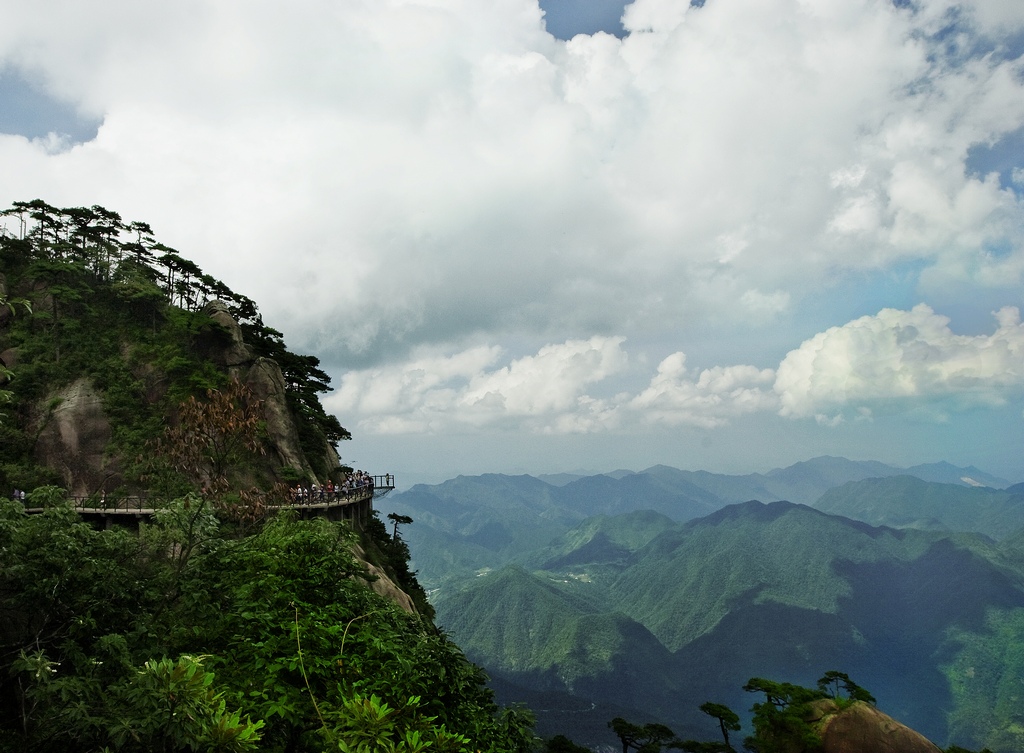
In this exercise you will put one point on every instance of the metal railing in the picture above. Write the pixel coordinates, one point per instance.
(147, 504)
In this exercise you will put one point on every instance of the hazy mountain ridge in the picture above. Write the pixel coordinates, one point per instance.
(496, 519)
(909, 502)
(806, 481)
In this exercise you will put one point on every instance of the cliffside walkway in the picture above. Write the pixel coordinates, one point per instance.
(355, 505)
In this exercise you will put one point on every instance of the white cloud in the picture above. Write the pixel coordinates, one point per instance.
(549, 382)
(542, 392)
(901, 359)
(415, 189)
(891, 362)
(435, 170)
(714, 397)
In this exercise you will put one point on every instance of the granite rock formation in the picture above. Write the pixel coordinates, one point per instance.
(862, 728)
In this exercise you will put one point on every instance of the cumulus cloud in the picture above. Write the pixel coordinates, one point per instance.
(383, 175)
(478, 227)
(544, 392)
(711, 399)
(898, 359)
(890, 362)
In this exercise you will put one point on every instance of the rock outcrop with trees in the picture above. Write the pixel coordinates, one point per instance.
(114, 332)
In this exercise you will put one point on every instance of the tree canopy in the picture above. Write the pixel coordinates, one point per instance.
(187, 636)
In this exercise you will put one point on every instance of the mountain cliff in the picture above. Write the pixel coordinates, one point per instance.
(125, 370)
(113, 332)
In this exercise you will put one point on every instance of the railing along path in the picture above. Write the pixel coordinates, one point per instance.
(145, 506)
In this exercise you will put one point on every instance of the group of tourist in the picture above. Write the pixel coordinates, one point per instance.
(303, 495)
(19, 494)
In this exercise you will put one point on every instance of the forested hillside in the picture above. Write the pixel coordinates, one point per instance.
(218, 625)
(190, 635)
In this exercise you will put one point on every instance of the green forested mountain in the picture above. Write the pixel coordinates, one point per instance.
(474, 523)
(806, 481)
(561, 652)
(189, 635)
(908, 502)
(603, 540)
(777, 590)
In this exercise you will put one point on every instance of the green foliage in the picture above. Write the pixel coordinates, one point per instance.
(6, 374)
(173, 705)
(728, 720)
(186, 638)
(562, 744)
(644, 738)
(368, 725)
(780, 721)
(831, 682)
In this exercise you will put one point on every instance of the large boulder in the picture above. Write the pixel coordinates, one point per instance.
(861, 728)
(9, 358)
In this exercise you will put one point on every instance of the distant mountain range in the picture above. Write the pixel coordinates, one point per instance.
(647, 594)
(475, 523)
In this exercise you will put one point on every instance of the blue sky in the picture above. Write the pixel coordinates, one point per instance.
(575, 235)
(565, 19)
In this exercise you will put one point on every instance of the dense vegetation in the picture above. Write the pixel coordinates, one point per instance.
(908, 502)
(103, 300)
(188, 636)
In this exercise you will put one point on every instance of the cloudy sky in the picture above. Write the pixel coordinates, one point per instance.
(576, 235)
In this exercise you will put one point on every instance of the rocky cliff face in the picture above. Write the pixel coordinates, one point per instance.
(383, 585)
(73, 436)
(74, 431)
(235, 355)
(265, 379)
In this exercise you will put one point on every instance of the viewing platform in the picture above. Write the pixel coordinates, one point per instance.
(355, 505)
